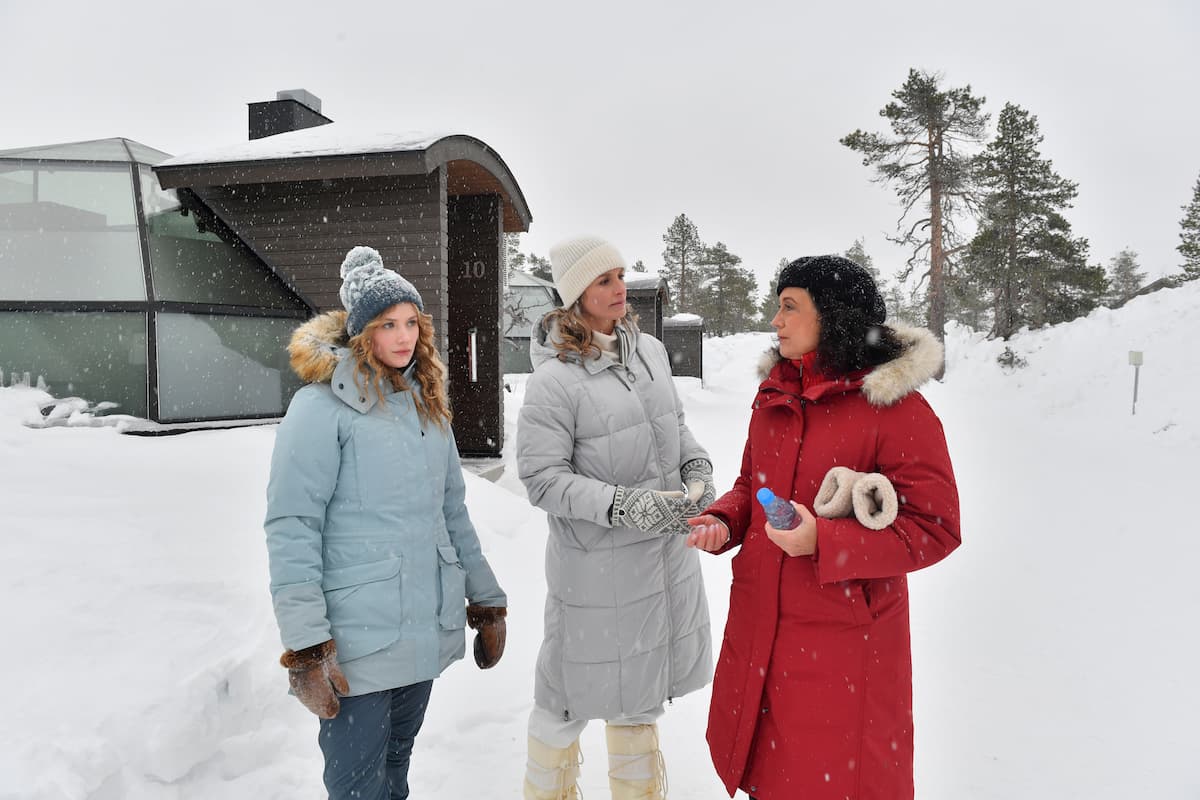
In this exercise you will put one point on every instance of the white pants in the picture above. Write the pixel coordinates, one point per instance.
(550, 728)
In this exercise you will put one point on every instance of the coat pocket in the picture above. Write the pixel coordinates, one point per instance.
(860, 608)
(362, 603)
(452, 609)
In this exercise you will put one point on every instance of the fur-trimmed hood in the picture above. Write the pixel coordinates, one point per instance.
(889, 382)
(320, 353)
(318, 345)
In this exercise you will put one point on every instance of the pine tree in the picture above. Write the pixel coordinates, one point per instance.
(968, 300)
(539, 267)
(1189, 236)
(770, 300)
(726, 299)
(923, 161)
(682, 267)
(905, 304)
(1124, 277)
(513, 257)
(1067, 287)
(858, 254)
(1024, 256)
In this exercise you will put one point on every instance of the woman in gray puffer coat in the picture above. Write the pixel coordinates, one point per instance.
(602, 447)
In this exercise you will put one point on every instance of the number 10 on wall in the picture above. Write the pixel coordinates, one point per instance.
(473, 269)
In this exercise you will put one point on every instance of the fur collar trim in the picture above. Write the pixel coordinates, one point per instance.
(318, 345)
(887, 383)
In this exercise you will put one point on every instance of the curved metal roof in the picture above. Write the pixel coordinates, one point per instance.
(338, 151)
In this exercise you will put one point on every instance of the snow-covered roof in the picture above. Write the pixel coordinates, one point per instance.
(684, 320)
(334, 139)
(341, 150)
(520, 278)
(641, 280)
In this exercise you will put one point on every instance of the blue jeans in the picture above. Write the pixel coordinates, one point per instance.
(367, 746)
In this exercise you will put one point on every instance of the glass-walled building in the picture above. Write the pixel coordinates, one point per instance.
(112, 289)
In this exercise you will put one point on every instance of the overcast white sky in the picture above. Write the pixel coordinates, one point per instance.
(618, 116)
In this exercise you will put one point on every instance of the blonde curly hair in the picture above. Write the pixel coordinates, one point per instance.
(574, 333)
(369, 373)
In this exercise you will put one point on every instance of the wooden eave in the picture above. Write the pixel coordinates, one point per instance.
(472, 168)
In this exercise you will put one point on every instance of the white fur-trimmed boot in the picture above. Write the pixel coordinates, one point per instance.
(636, 770)
(551, 772)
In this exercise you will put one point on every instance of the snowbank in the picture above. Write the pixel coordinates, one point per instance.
(1053, 653)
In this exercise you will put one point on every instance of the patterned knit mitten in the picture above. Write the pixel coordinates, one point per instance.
(652, 511)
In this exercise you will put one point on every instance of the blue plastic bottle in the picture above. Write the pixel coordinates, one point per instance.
(780, 513)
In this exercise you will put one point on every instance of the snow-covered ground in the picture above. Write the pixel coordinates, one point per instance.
(1055, 653)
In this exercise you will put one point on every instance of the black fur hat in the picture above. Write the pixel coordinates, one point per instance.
(834, 279)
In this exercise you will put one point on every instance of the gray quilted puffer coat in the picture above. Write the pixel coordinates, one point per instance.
(626, 624)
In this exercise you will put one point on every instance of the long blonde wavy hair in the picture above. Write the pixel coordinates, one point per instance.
(574, 332)
(370, 373)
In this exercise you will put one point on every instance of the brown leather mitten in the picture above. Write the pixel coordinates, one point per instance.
(316, 679)
(488, 622)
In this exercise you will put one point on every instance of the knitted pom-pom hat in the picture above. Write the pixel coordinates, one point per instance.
(368, 289)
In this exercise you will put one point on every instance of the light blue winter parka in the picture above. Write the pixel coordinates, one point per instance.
(368, 536)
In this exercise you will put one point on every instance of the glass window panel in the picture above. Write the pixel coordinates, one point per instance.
(96, 356)
(214, 366)
(16, 187)
(68, 233)
(194, 265)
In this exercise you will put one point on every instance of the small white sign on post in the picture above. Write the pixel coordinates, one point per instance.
(1135, 358)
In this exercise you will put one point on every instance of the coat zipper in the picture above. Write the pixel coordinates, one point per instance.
(666, 540)
(665, 545)
(670, 626)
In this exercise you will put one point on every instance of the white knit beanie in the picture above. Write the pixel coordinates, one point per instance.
(578, 261)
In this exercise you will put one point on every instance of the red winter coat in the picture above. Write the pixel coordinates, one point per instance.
(812, 697)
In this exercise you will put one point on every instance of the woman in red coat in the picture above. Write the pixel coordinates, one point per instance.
(812, 697)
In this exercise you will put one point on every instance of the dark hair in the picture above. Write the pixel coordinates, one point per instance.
(852, 310)
(850, 341)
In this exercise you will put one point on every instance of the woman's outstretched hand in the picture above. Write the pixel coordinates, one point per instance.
(800, 540)
(707, 533)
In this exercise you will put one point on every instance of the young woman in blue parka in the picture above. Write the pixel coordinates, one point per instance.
(373, 557)
(603, 448)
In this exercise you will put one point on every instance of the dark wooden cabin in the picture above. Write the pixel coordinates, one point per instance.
(647, 294)
(435, 206)
(683, 336)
